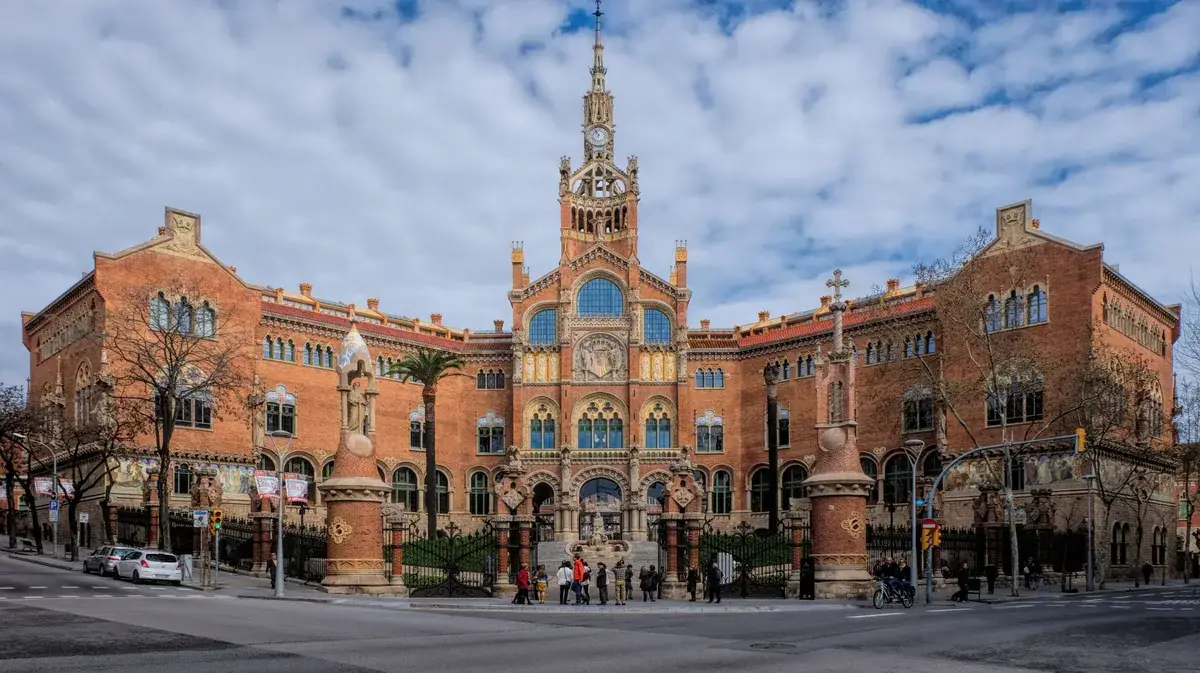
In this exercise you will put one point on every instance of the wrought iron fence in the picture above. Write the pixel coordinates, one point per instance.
(304, 551)
(888, 542)
(133, 526)
(451, 564)
(753, 563)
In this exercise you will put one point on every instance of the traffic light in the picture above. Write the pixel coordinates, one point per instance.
(937, 536)
(217, 519)
(1080, 439)
(926, 538)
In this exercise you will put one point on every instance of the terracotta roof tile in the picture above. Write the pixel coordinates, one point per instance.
(822, 326)
(364, 327)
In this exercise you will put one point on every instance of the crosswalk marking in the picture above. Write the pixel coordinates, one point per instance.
(6, 588)
(1015, 607)
(37, 587)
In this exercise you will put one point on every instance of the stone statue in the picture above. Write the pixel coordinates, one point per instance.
(356, 409)
(514, 460)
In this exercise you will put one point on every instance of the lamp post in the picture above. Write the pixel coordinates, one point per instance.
(913, 448)
(1091, 553)
(54, 489)
(281, 456)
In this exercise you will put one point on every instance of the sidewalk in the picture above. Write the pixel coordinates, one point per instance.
(1055, 593)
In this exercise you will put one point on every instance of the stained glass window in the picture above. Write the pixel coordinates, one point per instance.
(600, 297)
(543, 328)
(657, 327)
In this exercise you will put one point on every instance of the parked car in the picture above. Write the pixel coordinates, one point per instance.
(149, 565)
(104, 559)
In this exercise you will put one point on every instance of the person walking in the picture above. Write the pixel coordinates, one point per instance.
(540, 583)
(649, 585)
(629, 581)
(522, 597)
(564, 582)
(577, 579)
(270, 569)
(714, 583)
(964, 577)
(602, 582)
(620, 581)
(693, 578)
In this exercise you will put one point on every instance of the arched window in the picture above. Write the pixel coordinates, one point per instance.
(182, 482)
(489, 379)
(656, 326)
(290, 353)
(266, 463)
(760, 487)
(327, 471)
(710, 433)
(808, 365)
(871, 469)
(329, 357)
(793, 485)
(658, 428)
(917, 410)
(908, 348)
(991, 315)
(600, 297)
(490, 431)
(281, 411)
(722, 494)
(481, 496)
(897, 481)
(302, 467)
(206, 321)
(601, 427)
(83, 394)
(1014, 310)
(872, 354)
(931, 465)
(930, 343)
(160, 312)
(183, 316)
(416, 429)
(699, 378)
(1037, 305)
(442, 485)
(266, 352)
(785, 371)
(405, 490)
(543, 327)
(710, 379)
(541, 428)
(701, 479)
(656, 495)
(308, 355)
(277, 351)
(720, 379)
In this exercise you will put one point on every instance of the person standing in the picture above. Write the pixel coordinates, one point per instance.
(577, 579)
(540, 582)
(522, 597)
(270, 569)
(964, 577)
(602, 582)
(714, 582)
(587, 583)
(649, 585)
(693, 578)
(564, 582)
(628, 581)
(619, 581)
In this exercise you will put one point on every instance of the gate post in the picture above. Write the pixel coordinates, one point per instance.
(501, 526)
(693, 541)
(397, 523)
(796, 522)
(524, 539)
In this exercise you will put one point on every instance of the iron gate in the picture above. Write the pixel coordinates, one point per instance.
(452, 564)
(753, 563)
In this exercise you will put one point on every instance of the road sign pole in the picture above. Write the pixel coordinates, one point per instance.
(217, 565)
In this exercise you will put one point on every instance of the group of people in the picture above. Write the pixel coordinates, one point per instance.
(577, 577)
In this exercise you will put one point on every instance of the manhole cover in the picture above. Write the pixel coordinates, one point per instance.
(772, 646)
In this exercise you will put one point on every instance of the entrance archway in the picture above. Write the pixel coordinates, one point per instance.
(600, 506)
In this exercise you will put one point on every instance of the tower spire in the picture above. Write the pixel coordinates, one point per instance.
(598, 69)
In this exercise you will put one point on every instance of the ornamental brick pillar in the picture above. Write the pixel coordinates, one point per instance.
(397, 530)
(838, 488)
(502, 538)
(260, 531)
(526, 535)
(152, 507)
(354, 494)
(672, 548)
(397, 553)
(693, 539)
(111, 513)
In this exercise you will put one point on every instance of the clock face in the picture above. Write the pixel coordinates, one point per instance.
(598, 136)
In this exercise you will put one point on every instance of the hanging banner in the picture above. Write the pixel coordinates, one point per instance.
(267, 484)
(297, 488)
(19, 496)
(67, 488)
(43, 485)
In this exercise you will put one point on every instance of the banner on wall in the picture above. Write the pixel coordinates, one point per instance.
(297, 488)
(267, 484)
(43, 485)
(66, 487)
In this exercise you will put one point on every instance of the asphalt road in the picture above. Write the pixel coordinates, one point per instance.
(63, 629)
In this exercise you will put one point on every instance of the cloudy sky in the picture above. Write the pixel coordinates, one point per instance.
(395, 149)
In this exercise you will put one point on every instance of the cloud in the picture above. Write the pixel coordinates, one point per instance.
(781, 139)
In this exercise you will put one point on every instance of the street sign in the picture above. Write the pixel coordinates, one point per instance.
(54, 515)
(929, 523)
(920, 502)
(83, 517)
(53, 505)
(200, 518)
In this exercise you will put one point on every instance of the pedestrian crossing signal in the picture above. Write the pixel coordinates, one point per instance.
(217, 519)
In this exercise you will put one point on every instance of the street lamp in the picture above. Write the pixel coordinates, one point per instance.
(53, 489)
(1091, 553)
(281, 456)
(913, 449)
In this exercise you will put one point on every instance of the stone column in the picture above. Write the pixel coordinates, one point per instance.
(152, 506)
(525, 531)
(111, 513)
(262, 525)
(672, 548)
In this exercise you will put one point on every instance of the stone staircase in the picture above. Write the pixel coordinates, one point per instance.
(642, 554)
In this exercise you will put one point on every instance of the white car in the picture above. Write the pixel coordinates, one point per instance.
(104, 559)
(149, 565)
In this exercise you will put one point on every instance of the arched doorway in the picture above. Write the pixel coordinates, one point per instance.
(544, 518)
(656, 496)
(600, 505)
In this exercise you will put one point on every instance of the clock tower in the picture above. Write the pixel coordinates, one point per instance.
(598, 200)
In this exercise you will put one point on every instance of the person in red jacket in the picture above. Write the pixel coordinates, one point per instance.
(577, 579)
(522, 585)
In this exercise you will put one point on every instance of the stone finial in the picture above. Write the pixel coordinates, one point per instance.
(764, 316)
(373, 303)
(499, 325)
(705, 323)
(681, 254)
(436, 319)
(893, 284)
(518, 252)
(306, 289)
(826, 300)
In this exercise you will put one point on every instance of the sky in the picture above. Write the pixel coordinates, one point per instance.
(396, 149)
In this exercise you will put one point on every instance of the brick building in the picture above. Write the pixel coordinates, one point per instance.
(601, 379)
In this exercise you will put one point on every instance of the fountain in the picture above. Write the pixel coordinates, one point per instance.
(599, 548)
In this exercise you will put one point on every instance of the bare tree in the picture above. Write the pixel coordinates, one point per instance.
(1187, 452)
(1187, 349)
(176, 362)
(18, 420)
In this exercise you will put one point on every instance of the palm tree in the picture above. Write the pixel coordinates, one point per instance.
(427, 367)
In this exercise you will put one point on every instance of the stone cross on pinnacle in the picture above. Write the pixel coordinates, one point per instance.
(837, 284)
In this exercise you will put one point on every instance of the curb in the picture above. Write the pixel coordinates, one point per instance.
(57, 565)
(629, 610)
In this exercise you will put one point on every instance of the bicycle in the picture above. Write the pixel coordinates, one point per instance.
(886, 593)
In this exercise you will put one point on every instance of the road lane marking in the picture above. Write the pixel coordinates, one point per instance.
(37, 587)
(1162, 609)
(31, 598)
(877, 614)
(951, 610)
(1015, 607)
(1121, 607)
(6, 588)
(129, 588)
(66, 596)
(68, 586)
